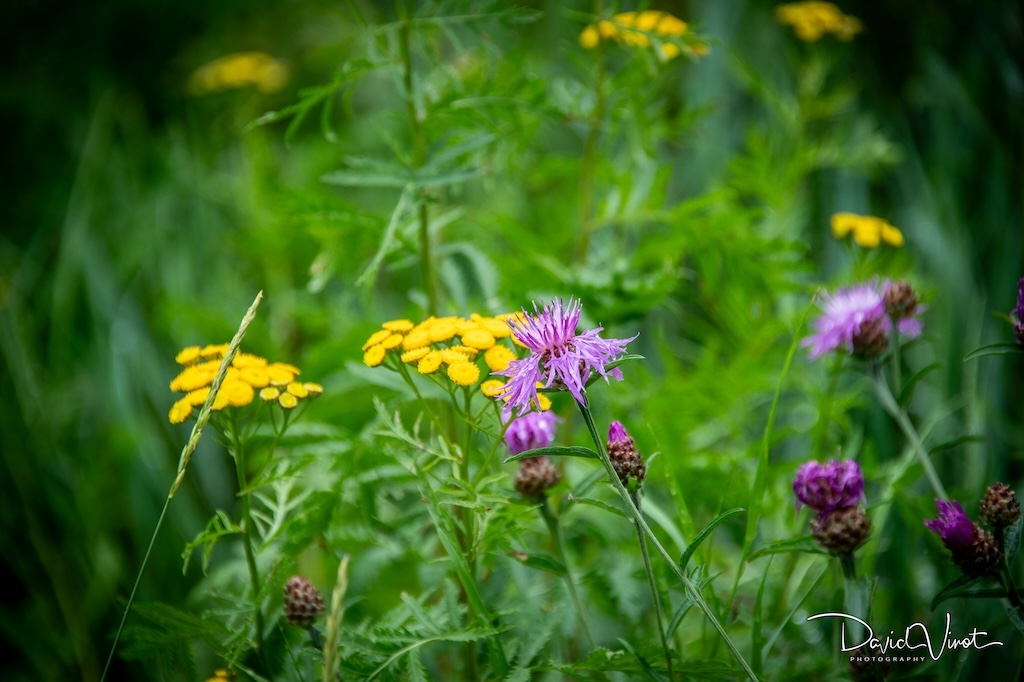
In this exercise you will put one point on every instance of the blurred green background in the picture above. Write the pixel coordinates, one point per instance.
(139, 218)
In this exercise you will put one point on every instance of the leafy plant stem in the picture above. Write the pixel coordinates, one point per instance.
(645, 553)
(250, 556)
(638, 519)
(419, 150)
(556, 538)
(889, 404)
(849, 569)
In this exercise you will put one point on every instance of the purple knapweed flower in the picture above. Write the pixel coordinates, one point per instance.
(559, 357)
(952, 525)
(623, 455)
(856, 318)
(531, 431)
(830, 486)
(1018, 327)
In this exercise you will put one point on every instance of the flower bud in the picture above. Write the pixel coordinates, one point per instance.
(535, 476)
(999, 507)
(623, 455)
(302, 602)
(843, 530)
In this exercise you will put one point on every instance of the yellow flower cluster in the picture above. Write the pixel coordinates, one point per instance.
(868, 231)
(633, 28)
(812, 20)
(247, 374)
(237, 71)
(455, 343)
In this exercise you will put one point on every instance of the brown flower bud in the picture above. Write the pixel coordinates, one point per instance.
(536, 474)
(979, 558)
(842, 530)
(302, 602)
(999, 507)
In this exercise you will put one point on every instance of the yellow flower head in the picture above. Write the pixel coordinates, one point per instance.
(314, 389)
(298, 390)
(237, 71)
(373, 357)
(376, 338)
(393, 341)
(812, 20)
(214, 351)
(412, 356)
(417, 338)
(496, 328)
(478, 338)
(270, 393)
(193, 377)
(464, 373)
(635, 29)
(429, 363)
(498, 358)
(187, 355)
(868, 231)
(442, 330)
(398, 325)
(492, 388)
(466, 351)
(197, 397)
(180, 411)
(257, 377)
(287, 401)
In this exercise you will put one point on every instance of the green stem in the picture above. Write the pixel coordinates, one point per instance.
(250, 555)
(635, 497)
(556, 538)
(638, 519)
(469, 519)
(849, 569)
(590, 160)
(826, 409)
(419, 151)
(889, 403)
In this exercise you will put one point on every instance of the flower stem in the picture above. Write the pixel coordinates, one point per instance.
(556, 537)
(638, 519)
(250, 555)
(653, 585)
(419, 150)
(889, 403)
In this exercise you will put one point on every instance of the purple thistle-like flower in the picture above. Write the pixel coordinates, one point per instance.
(559, 357)
(856, 318)
(531, 431)
(952, 525)
(1018, 328)
(617, 432)
(830, 486)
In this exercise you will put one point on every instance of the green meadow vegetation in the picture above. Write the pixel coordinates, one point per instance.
(295, 386)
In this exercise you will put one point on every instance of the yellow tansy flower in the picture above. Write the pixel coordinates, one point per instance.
(492, 388)
(867, 234)
(812, 20)
(465, 326)
(398, 325)
(892, 235)
(429, 363)
(450, 356)
(237, 393)
(442, 330)
(843, 224)
(373, 357)
(187, 355)
(298, 390)
(287, 401)
(376, 338)
(464, 373)
(393, 341)
(257, 377)
(470, 353)
(496, 328)
(633, 28)
(281, 374)
(193, 377)
(543, 402)
(270, 393)
(314, 389)
(412, 356)
(246, 360)
(418, 338)
(197, 397)
(180, 411)
(498, 358)
(238, 70)
(215, 350)
(478, 339)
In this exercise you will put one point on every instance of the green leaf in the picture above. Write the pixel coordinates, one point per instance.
(599, 504)
(542, 562)
(701, 536)
(804, 545)
(908, 387)
(555, 451)
(994, 349)
(954, 589)
(1016, 616)
(1011, 541)
(644, 665)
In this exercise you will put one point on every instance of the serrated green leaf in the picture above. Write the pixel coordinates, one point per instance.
(701, 536)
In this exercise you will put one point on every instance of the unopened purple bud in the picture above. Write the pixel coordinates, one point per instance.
(617, 432)
(952, 525)
(532, 431)
(830, 486)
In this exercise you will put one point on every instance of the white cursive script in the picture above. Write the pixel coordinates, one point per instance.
(891, 641)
